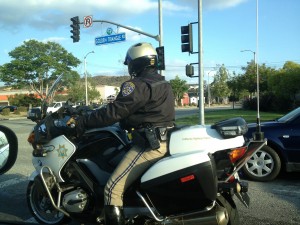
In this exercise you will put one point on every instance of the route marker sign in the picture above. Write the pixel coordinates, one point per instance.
(110, 39)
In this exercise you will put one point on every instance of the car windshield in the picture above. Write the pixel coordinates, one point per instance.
(289, 116)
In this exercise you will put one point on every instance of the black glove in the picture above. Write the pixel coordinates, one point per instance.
(77, 123)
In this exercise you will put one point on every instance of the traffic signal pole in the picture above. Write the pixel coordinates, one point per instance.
(187, 46)
(200, 67)
(156, 37)
(161, 35)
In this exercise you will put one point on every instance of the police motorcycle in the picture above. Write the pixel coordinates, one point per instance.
(195, 183)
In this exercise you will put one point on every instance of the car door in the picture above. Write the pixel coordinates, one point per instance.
(291, 140)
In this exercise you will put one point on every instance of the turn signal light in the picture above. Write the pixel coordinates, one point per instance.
(237, 153)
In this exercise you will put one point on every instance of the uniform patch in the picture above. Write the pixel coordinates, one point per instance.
(128, 88)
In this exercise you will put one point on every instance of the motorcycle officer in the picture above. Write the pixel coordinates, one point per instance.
(145, 107)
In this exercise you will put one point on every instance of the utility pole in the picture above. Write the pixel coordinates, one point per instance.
(86, 83)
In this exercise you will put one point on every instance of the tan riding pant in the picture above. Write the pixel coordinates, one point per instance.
(136, 161)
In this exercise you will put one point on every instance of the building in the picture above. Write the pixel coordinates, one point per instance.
(8, 92)
(107, 92)
(4, 100)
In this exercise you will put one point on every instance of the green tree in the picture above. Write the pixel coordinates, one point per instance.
(289, 65)
(236, 89)
(179, 87)
(285, 82)
(219, 87)
(77, 90)
(24, 100)
(36, 65)
(250, 77)
(93, 93)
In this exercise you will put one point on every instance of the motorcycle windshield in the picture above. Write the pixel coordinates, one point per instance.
(50, 94)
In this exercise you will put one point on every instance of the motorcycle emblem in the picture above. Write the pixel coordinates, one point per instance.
(62, 151)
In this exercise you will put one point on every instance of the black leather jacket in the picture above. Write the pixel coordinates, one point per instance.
(147, 98)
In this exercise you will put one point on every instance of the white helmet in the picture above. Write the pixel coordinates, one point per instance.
(140, 56)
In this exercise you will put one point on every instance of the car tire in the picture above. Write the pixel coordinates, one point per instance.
(264, 165)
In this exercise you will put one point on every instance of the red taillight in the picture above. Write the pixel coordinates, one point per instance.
(237, 153)
(187, 178)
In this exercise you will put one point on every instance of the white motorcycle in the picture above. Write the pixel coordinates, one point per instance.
(195, 182)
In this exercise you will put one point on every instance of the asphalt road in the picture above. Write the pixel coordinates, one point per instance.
(272, 203)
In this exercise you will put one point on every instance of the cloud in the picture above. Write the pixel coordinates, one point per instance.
(214, 4)
(132, 35)
(54, 39)
(221, 4)
(51, 14)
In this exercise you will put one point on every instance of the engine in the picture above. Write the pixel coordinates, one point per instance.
(75, 201)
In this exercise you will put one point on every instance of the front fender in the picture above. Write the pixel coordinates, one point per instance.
(33, 175)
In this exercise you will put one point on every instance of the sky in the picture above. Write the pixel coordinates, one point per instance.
(228, 27)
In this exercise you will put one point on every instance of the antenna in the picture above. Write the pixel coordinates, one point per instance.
(258, 135)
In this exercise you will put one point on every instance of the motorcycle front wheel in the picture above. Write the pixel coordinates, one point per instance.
(41, 208)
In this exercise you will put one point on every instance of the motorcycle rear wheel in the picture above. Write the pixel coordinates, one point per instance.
(41, 208)
(226, 201)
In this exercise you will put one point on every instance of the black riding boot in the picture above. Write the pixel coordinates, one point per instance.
(113, 215)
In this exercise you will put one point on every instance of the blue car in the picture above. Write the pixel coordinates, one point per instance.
(282, 151)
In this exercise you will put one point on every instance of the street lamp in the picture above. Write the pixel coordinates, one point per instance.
(258, 134)
(86, 84)
(253, 54)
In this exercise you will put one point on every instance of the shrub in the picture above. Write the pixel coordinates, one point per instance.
(22, 109)
(269, 103)
(5, 112)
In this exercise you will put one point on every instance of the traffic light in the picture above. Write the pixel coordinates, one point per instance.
(75, 29)
(189, 70)
(187, 38)
(160, 58)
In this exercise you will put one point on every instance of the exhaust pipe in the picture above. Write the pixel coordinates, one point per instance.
(217, 216)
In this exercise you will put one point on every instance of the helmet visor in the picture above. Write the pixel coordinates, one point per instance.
(127, 60)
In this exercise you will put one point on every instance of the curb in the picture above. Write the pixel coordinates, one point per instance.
(14, 118)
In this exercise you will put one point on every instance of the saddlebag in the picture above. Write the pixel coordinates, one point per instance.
(181, 184)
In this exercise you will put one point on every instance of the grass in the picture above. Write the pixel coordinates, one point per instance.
(13, 115)
(217, 115)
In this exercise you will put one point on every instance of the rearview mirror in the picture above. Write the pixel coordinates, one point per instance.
(8, 149)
